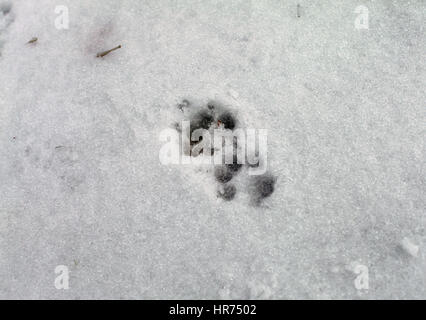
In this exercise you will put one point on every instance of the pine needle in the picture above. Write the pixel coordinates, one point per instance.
(33, 40)
(103, 54)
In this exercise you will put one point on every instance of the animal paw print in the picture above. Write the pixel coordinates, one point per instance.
(214, 116)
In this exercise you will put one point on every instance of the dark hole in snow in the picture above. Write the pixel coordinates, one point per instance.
(234, 166)
(227, 119)
(202, 120)
(223, 174)
(264, 186)
(227, 192)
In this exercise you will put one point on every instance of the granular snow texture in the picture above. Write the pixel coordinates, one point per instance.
(81, 183)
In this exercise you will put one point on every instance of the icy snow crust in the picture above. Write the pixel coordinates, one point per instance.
(82, 185)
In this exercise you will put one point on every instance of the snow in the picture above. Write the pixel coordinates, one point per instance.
(81, 181)
(410, 247)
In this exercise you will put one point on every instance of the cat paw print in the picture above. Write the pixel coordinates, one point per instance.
(214, 118)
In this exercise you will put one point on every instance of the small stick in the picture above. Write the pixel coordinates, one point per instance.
(33, 40)
(103, 54)
(298, 11)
